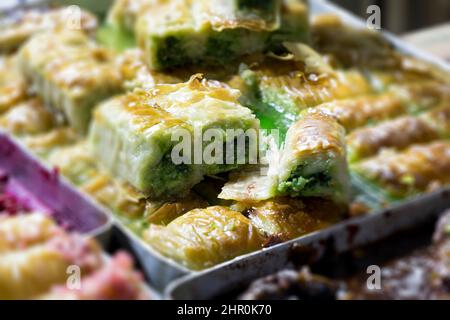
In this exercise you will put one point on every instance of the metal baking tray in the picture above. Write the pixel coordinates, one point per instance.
(351, 234)
(161, 271)
(32, 182)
